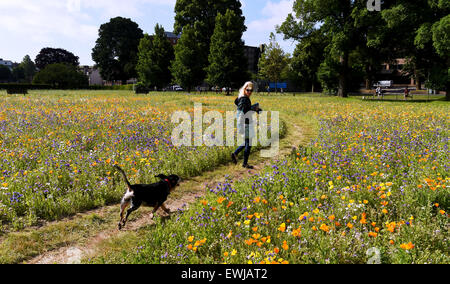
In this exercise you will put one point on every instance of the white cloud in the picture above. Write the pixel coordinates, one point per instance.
(273, 13)
(30, 25)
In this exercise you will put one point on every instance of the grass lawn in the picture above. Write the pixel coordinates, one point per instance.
(365, 174)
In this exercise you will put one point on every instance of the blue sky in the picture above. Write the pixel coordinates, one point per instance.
(27, 26)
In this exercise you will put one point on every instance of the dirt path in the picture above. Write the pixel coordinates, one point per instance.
(76, 251)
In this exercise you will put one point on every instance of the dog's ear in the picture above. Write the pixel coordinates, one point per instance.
(161, 176)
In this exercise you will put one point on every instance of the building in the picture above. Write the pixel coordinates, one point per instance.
(173, 38)
(395, 71)
(6, 63)
(253, 54)
(93, 73)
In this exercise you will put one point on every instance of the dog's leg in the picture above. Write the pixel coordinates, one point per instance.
(165, 209)
(134, 206)
(154, 211)
(123, 205)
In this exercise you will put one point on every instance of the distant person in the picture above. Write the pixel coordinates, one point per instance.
(406, 93)
(244, 105)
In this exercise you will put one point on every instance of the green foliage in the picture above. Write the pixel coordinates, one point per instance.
(188, 68)
(273, 62)
(155, 55)
(49, 56)
(116, 49)
(424, 26)
(141, 88)
(24, 86)
(24, 72)
(227, 63)
(18, 74)
(307, 57)
(29, 68)
(61, 76)
(197, 20)
(348, 24)
(5, 74)
(441, 36)
(327, 75)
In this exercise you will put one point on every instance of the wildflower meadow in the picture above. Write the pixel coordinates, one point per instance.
(58, 151)
(372, 187)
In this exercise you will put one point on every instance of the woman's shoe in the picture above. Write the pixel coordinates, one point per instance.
(234, 158)
(247, 166)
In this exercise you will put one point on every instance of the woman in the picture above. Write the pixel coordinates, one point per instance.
(244, 105)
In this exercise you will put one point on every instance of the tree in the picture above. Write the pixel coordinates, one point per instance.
(227, 62)
(61, 76)
(18, 74)
(154, 58)
(55, 55)
(306, 60)
(187, 70)
(424, 26)
(5, 74)
(116, 49)
(29, 68)
(441, 42)
(342, 20)
(273, 61)
(427, 43)
(199, 17)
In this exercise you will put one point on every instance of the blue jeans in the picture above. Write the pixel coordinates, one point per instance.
(247, 148)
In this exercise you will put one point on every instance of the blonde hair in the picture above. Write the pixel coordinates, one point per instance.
(242, 90)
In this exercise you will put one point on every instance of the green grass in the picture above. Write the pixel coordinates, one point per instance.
(353, 156)
(374, 177)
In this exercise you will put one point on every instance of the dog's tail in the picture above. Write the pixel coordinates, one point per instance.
(125, 177)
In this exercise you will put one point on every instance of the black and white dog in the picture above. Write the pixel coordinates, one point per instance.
(153, 195)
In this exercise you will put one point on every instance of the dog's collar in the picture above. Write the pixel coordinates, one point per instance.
(168, 182)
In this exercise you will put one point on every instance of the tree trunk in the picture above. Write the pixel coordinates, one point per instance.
(343, 76)
(368, 76)
(447, 90)
(418, 81)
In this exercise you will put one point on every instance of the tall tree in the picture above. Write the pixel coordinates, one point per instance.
(154, 59)
(306, 60)
(342, 20)
(227, 62)
(273, 62)
(199, 16)
(29, 68)
(5, 74)
(55, 55)
(426, 41)
(116, 49)
(441, 42)
(187, 70)
(18, 74)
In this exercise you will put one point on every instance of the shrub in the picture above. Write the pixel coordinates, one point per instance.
(61, 76)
